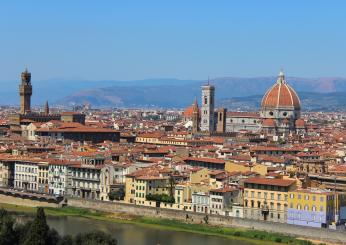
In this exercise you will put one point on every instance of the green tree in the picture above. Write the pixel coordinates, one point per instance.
(39, 231)
(95, 238)
(117, 195)
(66, 240)
(7, 233)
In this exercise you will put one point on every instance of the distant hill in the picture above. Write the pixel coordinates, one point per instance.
(309, 101)
(246, 93)
(175, 93)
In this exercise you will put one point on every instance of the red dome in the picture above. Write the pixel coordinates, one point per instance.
(281, 95)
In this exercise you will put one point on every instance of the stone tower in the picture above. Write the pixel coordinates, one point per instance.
(207, 112)
(25, 92)
(46, 108)
(195, 117)
(221, 120)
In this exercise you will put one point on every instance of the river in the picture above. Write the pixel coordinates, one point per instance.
(132, 234)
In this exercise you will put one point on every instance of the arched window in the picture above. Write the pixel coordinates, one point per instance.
(205, 100)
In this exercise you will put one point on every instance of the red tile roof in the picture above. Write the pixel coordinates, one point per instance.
(269, 181)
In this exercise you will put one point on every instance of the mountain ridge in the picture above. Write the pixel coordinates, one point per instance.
(165, 92)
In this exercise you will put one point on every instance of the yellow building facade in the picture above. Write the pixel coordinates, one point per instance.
(267, 199)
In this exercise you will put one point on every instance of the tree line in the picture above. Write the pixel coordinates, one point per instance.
(37, 232)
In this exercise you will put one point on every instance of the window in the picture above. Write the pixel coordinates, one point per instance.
(271, 205)
(321, 199)
(299, 196)
(321, 208)
(314, 208)
(271, 113)
(306, 207)
(272, 196)
(306, 197)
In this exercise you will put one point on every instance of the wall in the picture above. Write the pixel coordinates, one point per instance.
(25, 202)
(296, 231)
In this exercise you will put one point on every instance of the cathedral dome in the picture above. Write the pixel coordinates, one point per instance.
(281, 95)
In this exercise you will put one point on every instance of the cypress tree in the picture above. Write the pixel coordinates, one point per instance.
(39, 231)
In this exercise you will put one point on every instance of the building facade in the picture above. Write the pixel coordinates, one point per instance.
(312, 207)
(84, 181)
(26, 176)
(267, 199)
(43, 184)
(58, 178)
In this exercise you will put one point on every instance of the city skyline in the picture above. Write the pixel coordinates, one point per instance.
(129, 41)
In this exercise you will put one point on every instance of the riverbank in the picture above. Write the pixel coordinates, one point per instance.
(253, 236)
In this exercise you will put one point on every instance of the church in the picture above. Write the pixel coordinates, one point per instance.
(279, 113)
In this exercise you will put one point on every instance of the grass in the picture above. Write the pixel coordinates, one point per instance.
(253, 236)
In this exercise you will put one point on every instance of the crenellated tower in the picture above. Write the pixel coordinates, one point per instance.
(25, 92)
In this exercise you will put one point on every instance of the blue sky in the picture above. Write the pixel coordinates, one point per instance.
(186, 39)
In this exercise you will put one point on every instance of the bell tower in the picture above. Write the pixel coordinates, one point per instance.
(25, 92)
(207, 110)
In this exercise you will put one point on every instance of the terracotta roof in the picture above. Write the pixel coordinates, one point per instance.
(268, 181)
(204, 159)
(78, 130)
(224, 190)
(300, 123)
(269, 122)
